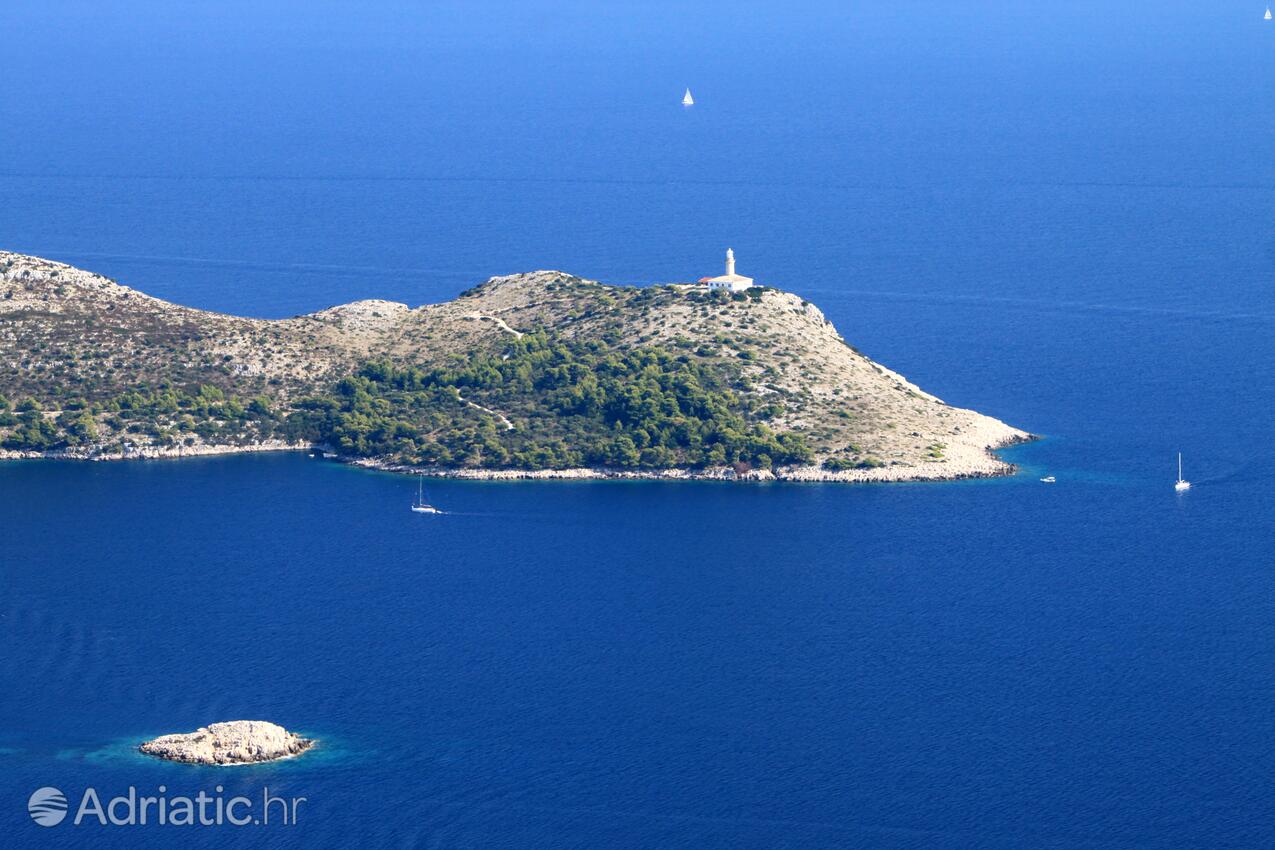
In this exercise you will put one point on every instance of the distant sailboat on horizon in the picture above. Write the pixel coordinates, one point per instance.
(687, 100)
(1181, 483)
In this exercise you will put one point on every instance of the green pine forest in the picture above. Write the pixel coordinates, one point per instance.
(538, 402)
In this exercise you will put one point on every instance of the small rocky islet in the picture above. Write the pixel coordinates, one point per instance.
(231, 742)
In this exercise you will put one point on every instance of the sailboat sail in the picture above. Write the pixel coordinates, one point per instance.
(421, 506)
(1267, 16)
(687, 100)
(1181, 484)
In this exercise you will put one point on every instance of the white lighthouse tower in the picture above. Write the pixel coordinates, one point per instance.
(730, 281)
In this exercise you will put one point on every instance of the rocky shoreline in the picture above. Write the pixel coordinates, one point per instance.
(966, 466)
(232, 742)
(156, 452)
(986, 466)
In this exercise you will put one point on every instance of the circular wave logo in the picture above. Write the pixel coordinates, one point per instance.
(47, 806)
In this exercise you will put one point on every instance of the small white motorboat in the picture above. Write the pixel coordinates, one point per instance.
(420, 506)
(1181, 484)
(1048, 479)
(687, 100)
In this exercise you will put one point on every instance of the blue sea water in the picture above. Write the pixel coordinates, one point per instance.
(1063, 220)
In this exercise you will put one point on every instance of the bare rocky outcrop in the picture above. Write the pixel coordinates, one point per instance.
(232, 742)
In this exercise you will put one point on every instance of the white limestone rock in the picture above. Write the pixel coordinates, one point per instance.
(233, 742)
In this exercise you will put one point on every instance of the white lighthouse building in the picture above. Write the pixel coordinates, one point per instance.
(730, 281)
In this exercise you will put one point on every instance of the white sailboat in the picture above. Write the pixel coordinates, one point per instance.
(420, 506)
(687, 100)
(1181, 483)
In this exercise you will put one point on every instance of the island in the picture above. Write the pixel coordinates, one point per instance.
(232, 742)
(534, 375)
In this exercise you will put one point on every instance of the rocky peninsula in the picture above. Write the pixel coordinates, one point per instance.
(536, 375)
(233, 742)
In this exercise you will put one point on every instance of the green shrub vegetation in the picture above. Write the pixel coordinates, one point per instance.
(539, 402)
(570, 404)
(840, 464)
(164, 415)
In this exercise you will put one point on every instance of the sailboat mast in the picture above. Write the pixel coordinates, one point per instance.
(1179, 466)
